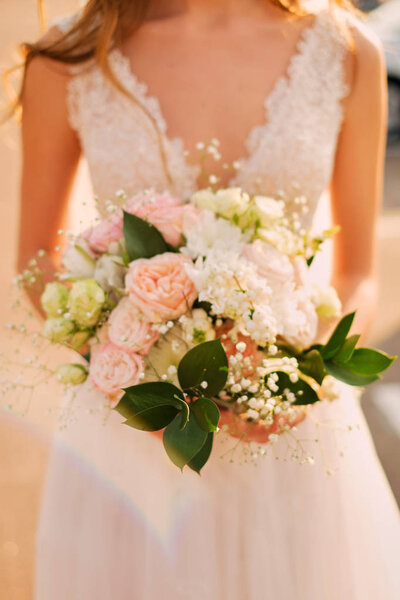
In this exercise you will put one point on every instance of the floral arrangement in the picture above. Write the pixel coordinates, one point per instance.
(185, 310)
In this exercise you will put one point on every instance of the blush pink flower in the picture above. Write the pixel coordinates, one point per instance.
(251, 351)
(160, 287)
(163, 211)
(271, 264)
(108, 230)
(128, 332)
(112, 368)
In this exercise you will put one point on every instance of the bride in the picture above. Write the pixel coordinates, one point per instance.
(297, 101)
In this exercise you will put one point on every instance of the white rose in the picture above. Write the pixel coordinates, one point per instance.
(205, 200)
(268, 209)
(327, 302)
(231, 202)
(109, 273)
(282, 239)
(78, 259)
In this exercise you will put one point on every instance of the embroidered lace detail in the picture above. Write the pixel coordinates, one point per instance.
(292, 152)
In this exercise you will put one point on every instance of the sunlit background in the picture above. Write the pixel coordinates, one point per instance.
(24, 442)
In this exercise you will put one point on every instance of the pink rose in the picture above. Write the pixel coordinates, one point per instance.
(128, 332)
(164, 212)
(108, 230)
(112, 369)
(271, 264)
(160, 287)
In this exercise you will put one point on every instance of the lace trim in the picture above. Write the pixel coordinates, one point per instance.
(306, 51)
(321, 47)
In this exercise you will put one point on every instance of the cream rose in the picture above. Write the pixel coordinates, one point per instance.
(54, 299)
(72, 374)
(127, 331)
(160, 287)
(85, 302)
(112, 369)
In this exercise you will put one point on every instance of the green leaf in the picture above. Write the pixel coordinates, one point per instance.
(338, 337)
(185, 413)
(312, 364)
(343, 374)
(206, 413)
(303, 391)
(203, 304)
(310, 260)
(203, 363)
(366, 361)
(182, 445)
(150, 406)
(346, 351)
(142, 239)
(198, 461)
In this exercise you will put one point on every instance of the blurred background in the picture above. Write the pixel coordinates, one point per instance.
(24, 442)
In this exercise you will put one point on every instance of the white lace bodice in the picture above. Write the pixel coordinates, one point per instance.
(127, 146)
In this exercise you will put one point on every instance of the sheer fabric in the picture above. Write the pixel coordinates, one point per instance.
(118, 519)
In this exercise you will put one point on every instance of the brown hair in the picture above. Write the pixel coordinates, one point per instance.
(101, 24)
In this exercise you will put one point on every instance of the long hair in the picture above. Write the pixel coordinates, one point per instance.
(102, 24)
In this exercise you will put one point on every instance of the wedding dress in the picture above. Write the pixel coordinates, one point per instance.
(118, 520)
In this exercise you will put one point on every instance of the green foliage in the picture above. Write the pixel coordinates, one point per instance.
(188, 435)
(201, 458)
(203, 364)
(366, 361)
(342, 373)
(206, 413)
(142, 239)
(311, 363)
(338, 337)
(182, 445)
(151, 406)
(305, 394)
(352, 365)
(347, 349)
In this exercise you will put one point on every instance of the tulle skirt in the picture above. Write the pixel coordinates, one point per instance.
(118, 520)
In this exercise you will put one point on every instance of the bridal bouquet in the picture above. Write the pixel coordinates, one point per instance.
(185, 310)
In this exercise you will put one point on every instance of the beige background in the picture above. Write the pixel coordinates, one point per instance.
(24, 441)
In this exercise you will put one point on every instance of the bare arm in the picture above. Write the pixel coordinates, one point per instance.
(356, 189)
(51, 154)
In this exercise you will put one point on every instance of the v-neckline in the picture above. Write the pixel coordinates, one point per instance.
(153, 105)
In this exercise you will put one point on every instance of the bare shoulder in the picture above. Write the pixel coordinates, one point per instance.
(46, 78)
(369, 60)
(41, 65)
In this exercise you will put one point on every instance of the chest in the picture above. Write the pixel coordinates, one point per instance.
(280, 118)
(214, 85)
